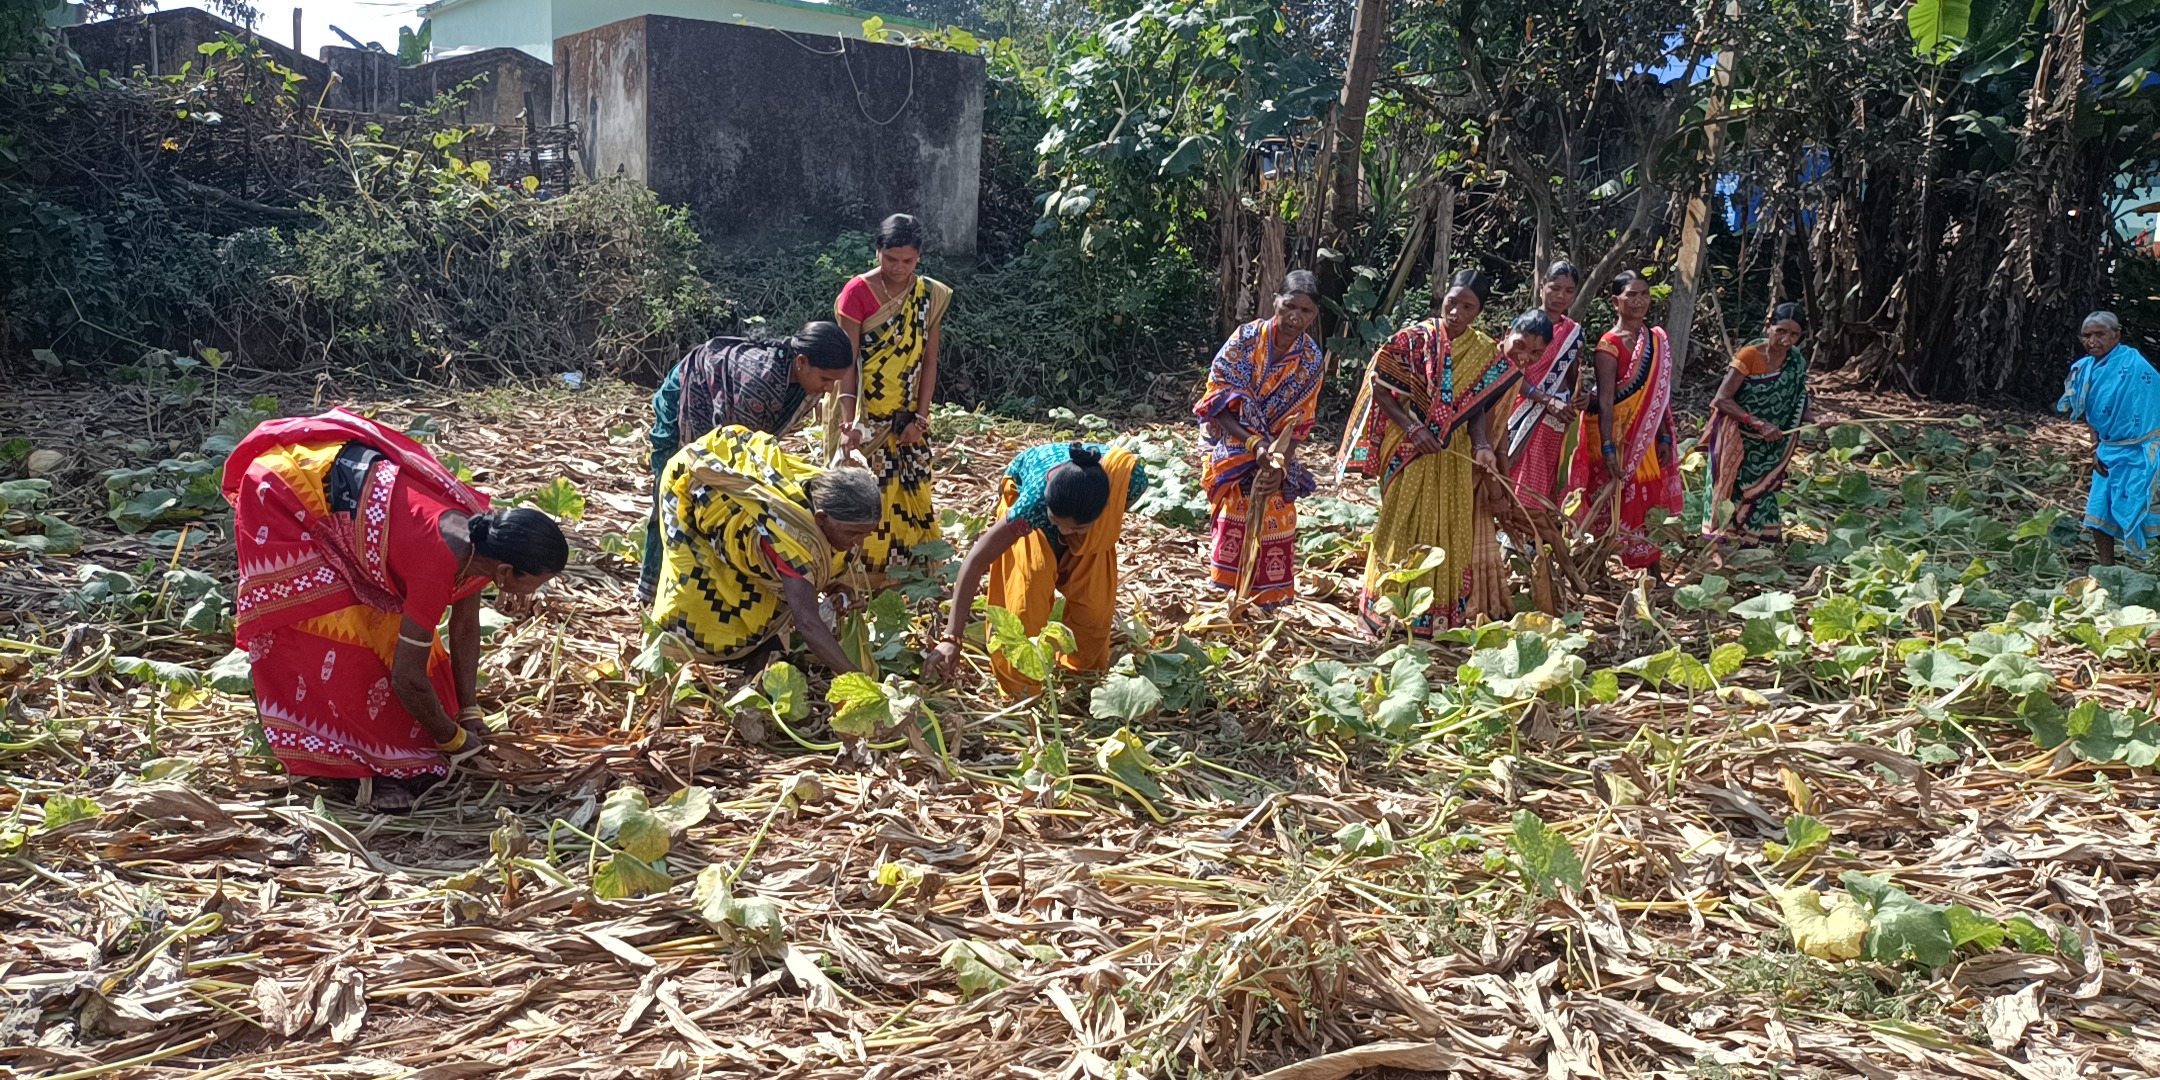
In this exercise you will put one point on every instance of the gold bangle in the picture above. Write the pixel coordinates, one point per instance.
(456, 743)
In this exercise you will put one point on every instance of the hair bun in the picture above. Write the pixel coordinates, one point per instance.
(1084, 456)
(476, 530)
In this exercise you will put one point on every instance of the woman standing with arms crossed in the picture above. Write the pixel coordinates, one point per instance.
(1631, 465)
(893, 314)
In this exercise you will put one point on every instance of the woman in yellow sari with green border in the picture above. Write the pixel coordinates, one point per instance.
(893, 313)
(1425, 436)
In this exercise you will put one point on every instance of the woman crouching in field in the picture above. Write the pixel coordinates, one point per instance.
(353, 543)
(1058, 519)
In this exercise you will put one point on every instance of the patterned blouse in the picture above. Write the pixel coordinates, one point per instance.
(1030, 474)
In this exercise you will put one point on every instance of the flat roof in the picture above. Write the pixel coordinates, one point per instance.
(806, 5)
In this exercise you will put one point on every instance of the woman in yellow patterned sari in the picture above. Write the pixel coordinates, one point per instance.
(893, 313)
(751, 538)
(1428, 438)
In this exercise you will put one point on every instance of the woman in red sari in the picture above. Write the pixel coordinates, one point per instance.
(1262, 389)
(1537, 429)
(353, 543)
(1631, 466)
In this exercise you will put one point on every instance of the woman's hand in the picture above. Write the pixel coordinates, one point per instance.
(917, 433)
(474, 722)
(1768, 431)
(1422, 439)
(1267, 482)
(843, 598)
(1484, 455)
(851, 437)
(939, 663)
(2099, 466)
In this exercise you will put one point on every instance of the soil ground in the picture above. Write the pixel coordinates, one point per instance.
(214, 919)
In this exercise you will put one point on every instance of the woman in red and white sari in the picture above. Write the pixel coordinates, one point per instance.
(1544, 416)
(1632, 465)
(353, 543)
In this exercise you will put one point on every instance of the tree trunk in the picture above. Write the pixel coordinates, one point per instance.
(1443, 247)
(1272, 268)
(1695, 228)
(1367, 35)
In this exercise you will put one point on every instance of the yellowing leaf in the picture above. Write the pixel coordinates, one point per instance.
(1833, 933)
(1796, 789)
(626, 876)
(860, 707)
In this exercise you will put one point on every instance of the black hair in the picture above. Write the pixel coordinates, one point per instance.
(899, 231)
(1565, 269)
(1623, 280)
(1533, 323)
(1789, 310)
(849, 495)
(524, 539)
(1300, 283)
(1474, 281)
(1079, 491)
(825, 344)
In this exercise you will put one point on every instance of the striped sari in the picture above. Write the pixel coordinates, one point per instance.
(1268, 396)
(1642, 418)
(1536, 439)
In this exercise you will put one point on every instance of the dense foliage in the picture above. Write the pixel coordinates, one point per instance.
(1935, 181)
(151, 213)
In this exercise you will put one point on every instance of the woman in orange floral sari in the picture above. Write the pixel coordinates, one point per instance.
(354, 543)
(1262, 388)
(1632, 465)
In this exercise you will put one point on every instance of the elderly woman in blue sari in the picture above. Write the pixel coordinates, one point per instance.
(1262, 392)
(750, 383)
(2116, 392)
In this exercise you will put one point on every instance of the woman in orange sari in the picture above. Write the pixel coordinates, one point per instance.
(1262, 391)
(353, 543)
(1633, 465)
(1059, 514)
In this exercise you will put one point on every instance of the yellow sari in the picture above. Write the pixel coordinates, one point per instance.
(1430, 500)
(1027, 578)
(734, 524)
(895, 339)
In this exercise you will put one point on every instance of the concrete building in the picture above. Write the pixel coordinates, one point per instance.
(533, 25)
(769, 137)
(516, 92)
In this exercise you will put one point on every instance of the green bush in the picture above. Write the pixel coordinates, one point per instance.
(1048, 327)
(494, 279)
